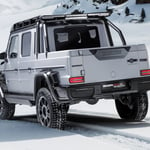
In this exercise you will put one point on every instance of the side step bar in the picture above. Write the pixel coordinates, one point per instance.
(19, 99)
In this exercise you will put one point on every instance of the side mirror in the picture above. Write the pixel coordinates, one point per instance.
(13, 55)
(3, 55)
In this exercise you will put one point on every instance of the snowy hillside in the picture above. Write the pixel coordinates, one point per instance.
(134, 12)
(10, 16)
(15, 6)
(12, 11)
(68, 6)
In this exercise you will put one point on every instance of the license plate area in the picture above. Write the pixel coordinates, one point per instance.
(114, 86)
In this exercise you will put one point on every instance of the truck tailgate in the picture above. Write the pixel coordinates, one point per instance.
(109, 64)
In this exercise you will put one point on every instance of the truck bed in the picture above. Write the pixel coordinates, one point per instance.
(108, 64)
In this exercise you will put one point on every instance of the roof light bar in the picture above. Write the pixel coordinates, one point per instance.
(86, 16)
(101, 14)
(76, 17)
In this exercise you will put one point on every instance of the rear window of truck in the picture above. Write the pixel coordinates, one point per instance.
(76, 38)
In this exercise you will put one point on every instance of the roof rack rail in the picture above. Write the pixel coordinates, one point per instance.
(25, 24)
(53, 18)
(76, 16)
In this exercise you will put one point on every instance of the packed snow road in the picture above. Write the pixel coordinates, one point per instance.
(84, 130)
(109, 130)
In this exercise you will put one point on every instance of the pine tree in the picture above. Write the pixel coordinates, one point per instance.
(127, 11)
(143, 14)
(75, 1)
(76, 11)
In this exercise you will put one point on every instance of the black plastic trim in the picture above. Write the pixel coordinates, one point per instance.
(30, 69)
(132, 86)
(50, 81)
(19, 98)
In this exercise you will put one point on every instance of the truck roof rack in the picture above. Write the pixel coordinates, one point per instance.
(75, 16)
(24, 24)
(54, 18)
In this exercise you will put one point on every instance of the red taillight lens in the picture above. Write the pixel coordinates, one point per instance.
(76, 79)
(145, 72)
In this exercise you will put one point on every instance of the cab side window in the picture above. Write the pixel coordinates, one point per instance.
(26, 44)
(14, 47)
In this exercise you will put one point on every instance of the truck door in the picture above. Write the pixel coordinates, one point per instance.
(26, 62)
(11, 67)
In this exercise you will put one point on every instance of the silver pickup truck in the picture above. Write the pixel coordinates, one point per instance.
(52, 62)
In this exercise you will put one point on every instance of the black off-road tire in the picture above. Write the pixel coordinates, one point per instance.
(6, 110)
(50, 113)
(137, 109)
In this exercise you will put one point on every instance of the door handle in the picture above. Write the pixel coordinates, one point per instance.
(15, 69)
(29, 69)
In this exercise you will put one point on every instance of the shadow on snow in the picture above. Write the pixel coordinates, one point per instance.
(26, 127)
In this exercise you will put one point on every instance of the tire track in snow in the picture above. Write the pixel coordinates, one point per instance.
(109, 136)
(79, 125)
(101, 128)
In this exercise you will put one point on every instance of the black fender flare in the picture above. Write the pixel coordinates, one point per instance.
(48, 79)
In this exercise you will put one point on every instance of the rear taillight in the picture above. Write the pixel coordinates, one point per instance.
(76, 79)
(145, 72)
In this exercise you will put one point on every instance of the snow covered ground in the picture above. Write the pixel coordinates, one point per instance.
(88, 127)
(23, 132)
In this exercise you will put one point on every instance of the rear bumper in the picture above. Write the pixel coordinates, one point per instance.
(101, 90)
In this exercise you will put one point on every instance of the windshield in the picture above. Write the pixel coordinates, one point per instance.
(76, 37)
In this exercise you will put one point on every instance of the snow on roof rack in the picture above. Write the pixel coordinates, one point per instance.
(55, 18)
